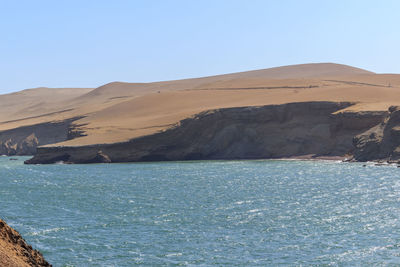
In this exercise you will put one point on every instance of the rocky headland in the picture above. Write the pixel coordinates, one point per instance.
(273, 131)
(381, 142)
(22, 141)
(319, 110)
(15, 252)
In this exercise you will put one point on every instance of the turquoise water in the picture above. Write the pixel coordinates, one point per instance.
(235, 213)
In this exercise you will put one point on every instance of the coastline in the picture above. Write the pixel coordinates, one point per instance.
(293, 130)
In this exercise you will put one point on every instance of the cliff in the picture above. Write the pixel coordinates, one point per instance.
(141, 116)
(14, 251)
(381, 142)
(273, 131)
(24, 140)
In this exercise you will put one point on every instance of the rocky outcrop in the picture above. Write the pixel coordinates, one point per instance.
(100, 157)
(24, 140)
(381, 142)
(14, 251)
(275, 131)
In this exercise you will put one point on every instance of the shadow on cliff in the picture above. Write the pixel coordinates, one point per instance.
(274, 131)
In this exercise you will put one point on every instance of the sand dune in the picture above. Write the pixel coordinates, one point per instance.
(120, 111)
(36, 102)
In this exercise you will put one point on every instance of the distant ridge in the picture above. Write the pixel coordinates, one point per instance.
(310, 70)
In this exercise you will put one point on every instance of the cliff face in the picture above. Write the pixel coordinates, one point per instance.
(381, 142)
(275, 131)
(24, 140)
(14, 251)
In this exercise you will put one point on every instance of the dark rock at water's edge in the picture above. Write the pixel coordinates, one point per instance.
(98, 157)
(14, 251)
(274, 131)
(381, 142)
(24, 140)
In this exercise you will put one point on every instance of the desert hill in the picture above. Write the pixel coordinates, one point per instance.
(118, 111)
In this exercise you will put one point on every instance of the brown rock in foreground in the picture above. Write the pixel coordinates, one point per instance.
(14, 251)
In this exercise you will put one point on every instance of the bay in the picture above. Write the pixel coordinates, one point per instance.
(233, 213)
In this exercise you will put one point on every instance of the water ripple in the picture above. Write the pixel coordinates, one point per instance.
(235, 213)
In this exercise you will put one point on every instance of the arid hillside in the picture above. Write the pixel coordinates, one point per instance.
(117, 112)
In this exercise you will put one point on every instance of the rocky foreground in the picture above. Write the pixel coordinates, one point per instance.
(14, 251)
(273, 131)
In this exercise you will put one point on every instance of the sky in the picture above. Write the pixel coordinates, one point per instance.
(75, 43)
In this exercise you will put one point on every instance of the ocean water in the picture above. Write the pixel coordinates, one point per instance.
(233, 213)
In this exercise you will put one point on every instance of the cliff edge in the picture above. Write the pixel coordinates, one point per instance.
(14, 251)
(24, 140)
(315, 129)
(381, 142)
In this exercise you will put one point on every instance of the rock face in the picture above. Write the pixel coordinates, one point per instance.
(381, 142)
(14, 251)
(100, 157)
(275, 131)
(24, 140)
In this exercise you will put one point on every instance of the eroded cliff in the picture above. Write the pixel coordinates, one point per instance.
(273, 131)
(24, 140)
(381, 142)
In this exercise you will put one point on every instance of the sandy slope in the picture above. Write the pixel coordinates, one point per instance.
(39, 104)
(121, 111)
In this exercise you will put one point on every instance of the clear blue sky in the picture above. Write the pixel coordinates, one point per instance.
(86, 43)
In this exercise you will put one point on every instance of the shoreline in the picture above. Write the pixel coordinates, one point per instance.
(295, 130)
(308, 158)
(295, 158)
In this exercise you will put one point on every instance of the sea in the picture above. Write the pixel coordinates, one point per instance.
(206, 213)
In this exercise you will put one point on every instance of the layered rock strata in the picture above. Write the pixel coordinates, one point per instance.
(381, 142)
(24, 140)
(274, 131)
